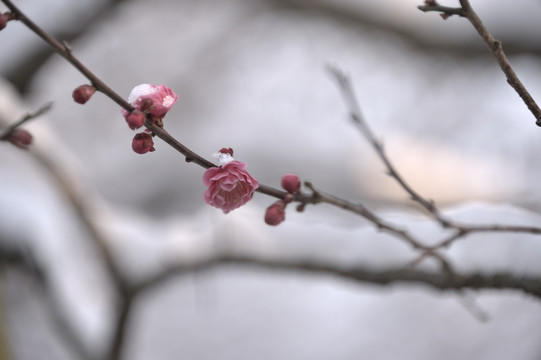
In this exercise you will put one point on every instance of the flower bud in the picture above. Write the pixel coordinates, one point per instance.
(135, 119)
(275, 213)
(291, 183)
(142, 143)
(20, 138)
(3, 20)
(83, 93)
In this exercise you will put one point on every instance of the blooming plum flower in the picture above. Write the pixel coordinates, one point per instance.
(229, 185)
(83, 93)
(142, 143)
(155, 100)
(275, 213)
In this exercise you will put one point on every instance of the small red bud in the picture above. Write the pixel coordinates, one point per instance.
(83, 93)
(135, 119)
(300, 207)
(142, 143)
(20, 138)
(291, 183)
(275, 213)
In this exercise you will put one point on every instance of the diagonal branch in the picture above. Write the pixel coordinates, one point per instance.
(460, 230)
(494, 45)
(357, 117)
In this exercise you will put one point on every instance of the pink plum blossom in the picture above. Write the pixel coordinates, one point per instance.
(155, 100)
(229, 185)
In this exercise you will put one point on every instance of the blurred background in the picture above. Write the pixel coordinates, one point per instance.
(251, 75)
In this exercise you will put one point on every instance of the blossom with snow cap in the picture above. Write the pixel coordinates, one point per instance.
(229, 186)
(152, 101)
(155, 100)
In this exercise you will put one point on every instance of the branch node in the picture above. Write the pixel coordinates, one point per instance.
(67, 47)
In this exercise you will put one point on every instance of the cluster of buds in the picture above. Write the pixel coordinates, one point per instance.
(150, 102)
(229, 186)
(276, 213)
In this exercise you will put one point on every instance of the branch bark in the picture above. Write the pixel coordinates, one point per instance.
(357, 274)
(465, 10)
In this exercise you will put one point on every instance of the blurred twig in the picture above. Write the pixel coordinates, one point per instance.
(465, 10)
(22, 258)
(357, 273)
(357, 117)
(29, 116)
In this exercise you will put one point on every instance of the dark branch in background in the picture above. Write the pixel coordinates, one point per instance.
(352, 15)
(22, 258)
(358, 273)
(465, 10)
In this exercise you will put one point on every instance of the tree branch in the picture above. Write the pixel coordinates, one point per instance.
(460, 230)
(494, 45)
(23, 259)
(357, 274)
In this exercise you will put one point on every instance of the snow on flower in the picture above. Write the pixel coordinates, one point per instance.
(155, 100)
(229, 186)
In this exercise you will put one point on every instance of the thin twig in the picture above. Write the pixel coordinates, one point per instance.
(460, 230)
(495, 47)
(348, 94)
(29, 116)
(382, 225)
